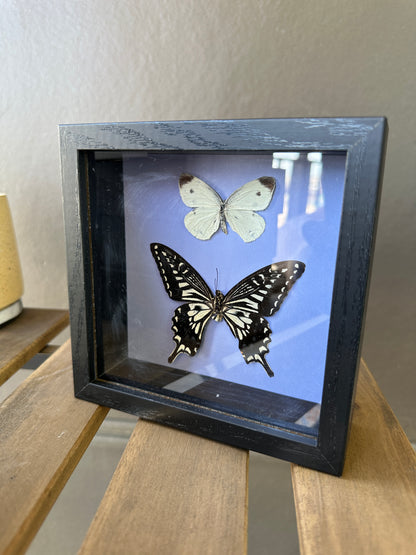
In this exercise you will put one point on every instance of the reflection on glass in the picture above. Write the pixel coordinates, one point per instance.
(315, 194)
(309, 166)
(301, 221)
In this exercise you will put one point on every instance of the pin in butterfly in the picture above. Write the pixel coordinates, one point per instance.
(210, 213)
(243, 308)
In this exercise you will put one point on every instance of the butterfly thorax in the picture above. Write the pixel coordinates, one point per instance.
(223, 223)
(217, 313)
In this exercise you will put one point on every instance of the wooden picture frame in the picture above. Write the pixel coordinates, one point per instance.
(288, 199)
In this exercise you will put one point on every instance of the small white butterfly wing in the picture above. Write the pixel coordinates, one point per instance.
(196, 193)
(247, 224)
(241, 207)
(254, 195)
(203, 222)
(205, 218)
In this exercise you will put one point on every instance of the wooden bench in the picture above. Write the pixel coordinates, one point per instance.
(173, 492)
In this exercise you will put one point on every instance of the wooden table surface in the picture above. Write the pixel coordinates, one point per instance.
(173, 492)
(26, 335)
(372, 507)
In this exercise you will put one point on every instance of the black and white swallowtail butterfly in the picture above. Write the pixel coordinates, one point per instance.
(243, 307)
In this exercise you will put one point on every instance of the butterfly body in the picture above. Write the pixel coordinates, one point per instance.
(243, 308)
(223, 222)
(217, 307)
(210, 212)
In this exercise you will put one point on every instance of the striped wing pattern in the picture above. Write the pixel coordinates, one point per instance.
(183, 283)
(244, 307)
(188, 326)
(259, 294)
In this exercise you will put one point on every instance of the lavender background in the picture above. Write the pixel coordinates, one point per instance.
(154, 213)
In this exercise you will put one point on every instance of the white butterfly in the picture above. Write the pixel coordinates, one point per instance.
(210, 212)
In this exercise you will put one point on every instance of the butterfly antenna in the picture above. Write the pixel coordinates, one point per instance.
(216, 281)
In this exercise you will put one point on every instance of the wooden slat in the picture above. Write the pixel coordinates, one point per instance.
(173, 493)
(49, 349)
(372, 507)
(43, 432)
(26, 335)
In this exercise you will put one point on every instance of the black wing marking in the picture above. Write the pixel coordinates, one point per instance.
(181, 281)
(253, 345)
(188, 325)
(259, 294)
(243, 308)
(264, 291)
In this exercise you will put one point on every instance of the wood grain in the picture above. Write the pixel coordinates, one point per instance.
(372, 507)
(173, 493)
(44, 431)
(26, 335)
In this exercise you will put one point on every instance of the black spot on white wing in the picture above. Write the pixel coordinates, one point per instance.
(185, 178)
(268, 182)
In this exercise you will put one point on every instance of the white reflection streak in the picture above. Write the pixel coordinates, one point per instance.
(285, 164)
(315, 193)
(210, 370)
(310, 418)
(184, 384)
(234, 360)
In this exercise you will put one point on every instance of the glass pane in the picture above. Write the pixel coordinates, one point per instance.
(136, 201)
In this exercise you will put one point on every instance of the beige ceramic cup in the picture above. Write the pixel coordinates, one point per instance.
(11, 280)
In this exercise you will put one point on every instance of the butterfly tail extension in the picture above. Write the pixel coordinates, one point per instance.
(176, 351)
(258, 357)
(253, 334)
(267, 368)
(253, 346)
(188, 326)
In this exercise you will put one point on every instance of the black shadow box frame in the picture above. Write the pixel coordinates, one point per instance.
(120, 184)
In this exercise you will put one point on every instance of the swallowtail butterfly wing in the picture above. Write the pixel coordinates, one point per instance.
(244, 307)
(210, 212)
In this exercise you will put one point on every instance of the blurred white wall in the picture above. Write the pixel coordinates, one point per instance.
(76, 61)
